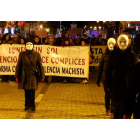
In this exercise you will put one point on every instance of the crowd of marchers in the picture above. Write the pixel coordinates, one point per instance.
(119, 69)
(65, 40)
(50, 40)
(29, 69)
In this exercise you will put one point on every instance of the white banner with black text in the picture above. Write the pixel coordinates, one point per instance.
(71, 61)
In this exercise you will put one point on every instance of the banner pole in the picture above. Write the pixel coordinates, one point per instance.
(88, 61)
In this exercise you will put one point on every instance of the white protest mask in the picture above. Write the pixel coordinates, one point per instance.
(111, 43)
(123, 41)
(29, 45)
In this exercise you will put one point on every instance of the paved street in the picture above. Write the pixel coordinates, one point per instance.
(55, 101)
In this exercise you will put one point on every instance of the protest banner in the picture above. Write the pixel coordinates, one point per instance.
(97, 54)
(70, 61)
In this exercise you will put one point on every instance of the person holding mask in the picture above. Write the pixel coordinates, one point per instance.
(28, 71)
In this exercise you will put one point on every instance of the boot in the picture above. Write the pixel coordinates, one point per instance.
(65, 81)
(27, 108)
(111, 115)
(49, 79)
(32, 108)
(107, 112)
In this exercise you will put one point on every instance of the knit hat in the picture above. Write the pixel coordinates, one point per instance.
(15, 35)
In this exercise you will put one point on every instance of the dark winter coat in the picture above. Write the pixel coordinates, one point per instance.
(102, 68)
(131, 106)
(118, 73)
(25, 70)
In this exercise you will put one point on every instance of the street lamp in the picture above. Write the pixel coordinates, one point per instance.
(90, 30)
(99, 27)
(95, 27)
(40, 26)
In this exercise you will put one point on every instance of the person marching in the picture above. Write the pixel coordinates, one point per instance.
(118, 74)
(101, 74)
(85, 43)
(28, 71)
(132, 102)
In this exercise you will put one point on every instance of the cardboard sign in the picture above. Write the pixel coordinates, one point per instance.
(41, 33)
(75, 31)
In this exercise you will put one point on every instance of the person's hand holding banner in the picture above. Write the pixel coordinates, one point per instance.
(42, 79)
(90, 59)
(108, 89)
(89, 53)
(17, 80)
(126, 116)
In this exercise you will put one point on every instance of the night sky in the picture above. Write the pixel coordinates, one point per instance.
(80, 24)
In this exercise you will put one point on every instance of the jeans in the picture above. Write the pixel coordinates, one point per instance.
(29, 98)
(108, 101)
(118, 109)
